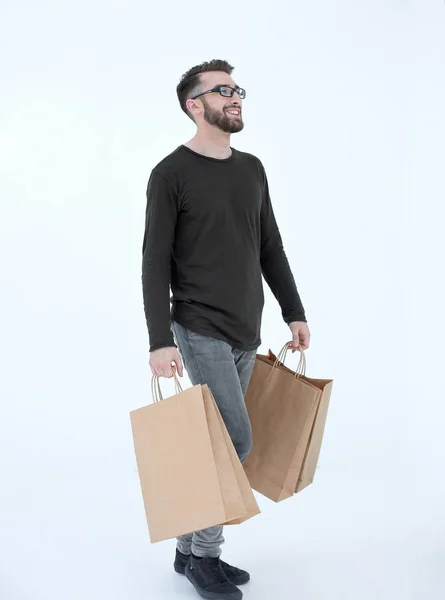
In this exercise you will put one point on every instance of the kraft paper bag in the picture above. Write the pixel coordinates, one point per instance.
(288, 413)
(222, 444)
(190, 474)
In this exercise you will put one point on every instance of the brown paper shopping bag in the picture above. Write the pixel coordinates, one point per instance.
(190, 474)
(288, 414)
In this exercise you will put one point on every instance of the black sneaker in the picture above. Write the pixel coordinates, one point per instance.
(209, 579)
(234, 575)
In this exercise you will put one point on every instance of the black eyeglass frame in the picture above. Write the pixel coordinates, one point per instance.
(240, 91)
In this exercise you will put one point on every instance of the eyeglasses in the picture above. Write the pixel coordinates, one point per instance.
(224, 90)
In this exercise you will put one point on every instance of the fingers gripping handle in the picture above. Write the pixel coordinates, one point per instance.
(156, 387)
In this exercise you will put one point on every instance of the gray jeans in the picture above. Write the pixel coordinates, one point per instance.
(227, 372)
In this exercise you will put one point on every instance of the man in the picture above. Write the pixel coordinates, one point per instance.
(211, 234)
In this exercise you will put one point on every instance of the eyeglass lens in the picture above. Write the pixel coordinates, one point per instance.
(228, 91)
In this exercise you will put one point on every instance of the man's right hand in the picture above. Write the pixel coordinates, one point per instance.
(161, 362)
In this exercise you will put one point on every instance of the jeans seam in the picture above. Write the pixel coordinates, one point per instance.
(178, 339)
(198, 369)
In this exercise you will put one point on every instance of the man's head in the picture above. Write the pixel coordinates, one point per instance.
(213, 108)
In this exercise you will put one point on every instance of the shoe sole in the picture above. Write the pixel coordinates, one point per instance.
(213, 595)
(181, 570)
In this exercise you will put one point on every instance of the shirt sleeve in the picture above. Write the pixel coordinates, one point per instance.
(160, 222)
(275, 265)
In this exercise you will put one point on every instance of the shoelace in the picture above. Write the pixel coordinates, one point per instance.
(215, 567)
(225, 565)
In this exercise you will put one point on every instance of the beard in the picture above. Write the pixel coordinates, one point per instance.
(222, 120)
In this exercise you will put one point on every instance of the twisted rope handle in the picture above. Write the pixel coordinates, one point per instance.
(156, 387)
(301, 368)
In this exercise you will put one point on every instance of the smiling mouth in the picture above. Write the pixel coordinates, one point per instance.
(234, 113)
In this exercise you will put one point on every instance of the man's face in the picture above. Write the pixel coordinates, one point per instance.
(220, 111)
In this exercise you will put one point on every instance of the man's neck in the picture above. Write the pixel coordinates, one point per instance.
(212, 142)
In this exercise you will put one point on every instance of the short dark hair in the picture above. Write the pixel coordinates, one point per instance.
(190, 81)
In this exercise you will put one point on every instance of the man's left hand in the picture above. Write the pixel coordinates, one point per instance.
(300, 335)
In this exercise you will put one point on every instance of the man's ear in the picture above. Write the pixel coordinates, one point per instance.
(191, 105)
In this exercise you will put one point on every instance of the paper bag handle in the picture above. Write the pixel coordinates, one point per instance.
(301, 368)
(156, 387)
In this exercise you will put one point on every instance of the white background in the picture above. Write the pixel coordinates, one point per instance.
(345, 108)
